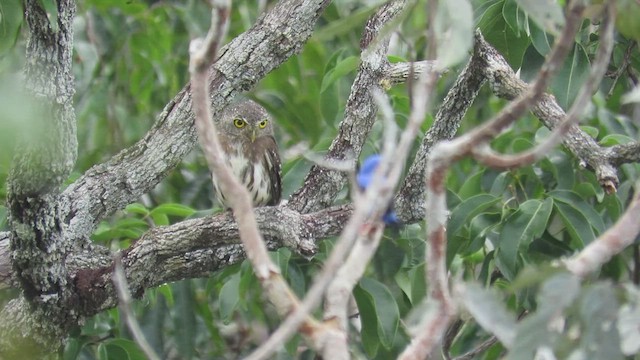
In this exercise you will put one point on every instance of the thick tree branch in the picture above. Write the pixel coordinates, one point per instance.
(435, 322)
(6, 272)
(108, 187)
(43, 160)
(195, 248)
(484, 154)
(321, 185)
(446, 123)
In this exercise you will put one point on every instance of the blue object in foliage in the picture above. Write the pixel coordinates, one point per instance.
(364, 178)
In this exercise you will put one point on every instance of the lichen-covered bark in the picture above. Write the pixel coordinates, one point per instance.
(446, 123)
(65, 277)
(322, 185)
(50, 231)
(43, 160)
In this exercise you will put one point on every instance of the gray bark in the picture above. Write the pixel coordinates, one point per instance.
(44, 158)
(65, 277)
(50, 231)
(322, 185)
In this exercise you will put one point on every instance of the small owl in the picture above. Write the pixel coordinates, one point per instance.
(246, 136)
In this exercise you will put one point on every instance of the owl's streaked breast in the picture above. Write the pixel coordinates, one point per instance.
(252, 174)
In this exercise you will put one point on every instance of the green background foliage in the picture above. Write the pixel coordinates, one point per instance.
(505, 227)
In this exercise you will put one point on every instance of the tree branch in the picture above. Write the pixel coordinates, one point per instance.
(435, 322)
(108, 187)
(621, 235)
(321, 185)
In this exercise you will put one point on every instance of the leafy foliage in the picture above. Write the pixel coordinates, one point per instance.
(505, 227)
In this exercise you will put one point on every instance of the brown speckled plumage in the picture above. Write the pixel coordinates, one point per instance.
(246, 134)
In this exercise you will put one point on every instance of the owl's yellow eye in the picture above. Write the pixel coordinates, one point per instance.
(262, 124)
(239, 123)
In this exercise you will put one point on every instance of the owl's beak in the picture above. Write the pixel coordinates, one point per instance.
(253, 134)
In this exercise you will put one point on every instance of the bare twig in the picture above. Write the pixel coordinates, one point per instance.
(360, 110)
(442, 156)
(122, 287)
(274, 286)
(321, 186)
(485, 155)
(338, 293)
(622, 234)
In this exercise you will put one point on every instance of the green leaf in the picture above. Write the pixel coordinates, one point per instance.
(369, 319)
(515, 17)
(184, 319)
(498, 33)
(344, 25)
(541, 41)
(479, 229)
(573, 199)
(489, 311)
(173, 209)
(386, 310)
(51, 8)
(472, 186)
(10, 22)
(342, 68)
(3, 217)
(467, 209)
(160, 219)
(572, 75)
(590, 130)
(454, 31)
(229, 298)
(546, 13)
(615, 139)
(120, 349)
(576, 224)
(137, 208)
(521, 228)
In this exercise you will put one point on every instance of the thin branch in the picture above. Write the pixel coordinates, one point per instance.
(268, 273)
(621, 235)
(485, 155)
(110, 186)
(376, 197)
(321, 186)
(339, 292)
(444, 154)
(122, 287)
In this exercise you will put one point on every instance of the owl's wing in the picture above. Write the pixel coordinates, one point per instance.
(271, 161)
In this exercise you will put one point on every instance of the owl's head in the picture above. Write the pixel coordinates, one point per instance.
(245, 121)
